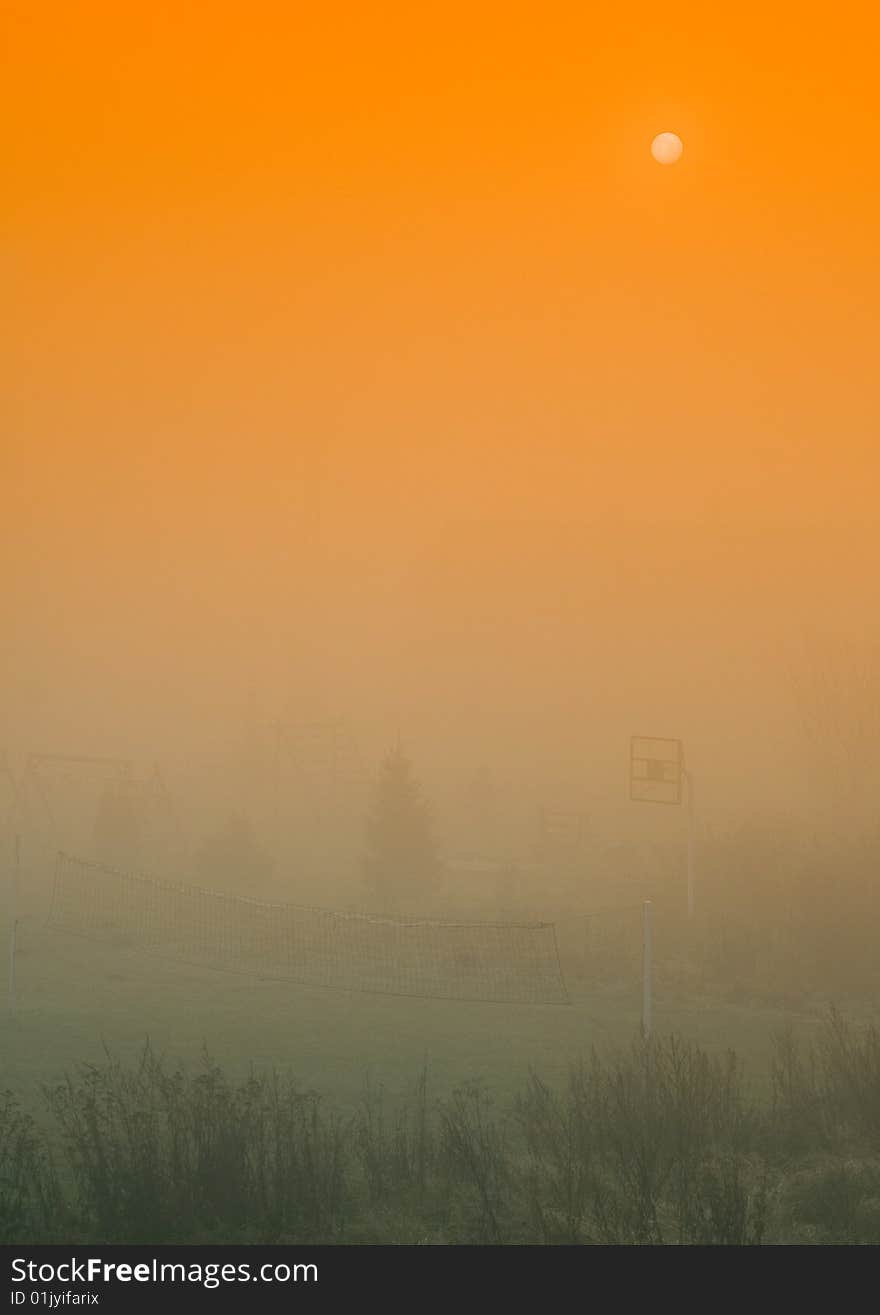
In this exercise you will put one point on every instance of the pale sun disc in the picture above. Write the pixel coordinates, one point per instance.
(667, 148)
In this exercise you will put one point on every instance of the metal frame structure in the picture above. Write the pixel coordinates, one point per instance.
(324, 758)
(106, 771)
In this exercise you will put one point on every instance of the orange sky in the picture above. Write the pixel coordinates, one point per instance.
(390, 269)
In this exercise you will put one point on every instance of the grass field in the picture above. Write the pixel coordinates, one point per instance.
(75, 997)
(652, 1143)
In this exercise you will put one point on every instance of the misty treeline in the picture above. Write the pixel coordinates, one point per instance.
(787, 903)
(782, 917)
(660, 1143)
(783, 912)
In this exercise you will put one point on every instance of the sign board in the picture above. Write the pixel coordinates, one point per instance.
(656, 770)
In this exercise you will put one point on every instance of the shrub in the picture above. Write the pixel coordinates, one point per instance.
(648, 1148)
(158, 1156)
(29, 1199)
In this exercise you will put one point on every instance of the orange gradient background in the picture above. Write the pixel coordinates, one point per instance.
(360, 359)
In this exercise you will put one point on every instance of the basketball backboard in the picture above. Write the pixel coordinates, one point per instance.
(656, 768)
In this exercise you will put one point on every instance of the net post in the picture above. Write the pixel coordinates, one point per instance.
(647, 969)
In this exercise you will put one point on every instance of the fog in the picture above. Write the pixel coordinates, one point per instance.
(386, 439)
(525, 650)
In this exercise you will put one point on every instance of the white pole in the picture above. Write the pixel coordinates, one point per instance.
(691, 842)
(647, 969)
(13, 924)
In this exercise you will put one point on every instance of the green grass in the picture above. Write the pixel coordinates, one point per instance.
(77, 997)
(674, 1141)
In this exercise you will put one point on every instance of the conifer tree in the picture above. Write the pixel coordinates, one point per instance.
(401, 864)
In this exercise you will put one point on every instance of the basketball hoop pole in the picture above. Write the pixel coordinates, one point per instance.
(691, 840)
(647, 970)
